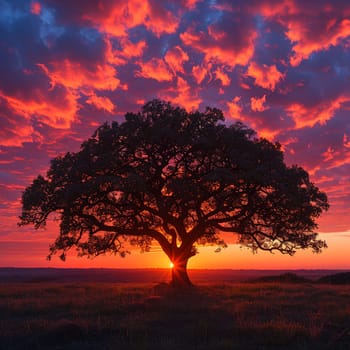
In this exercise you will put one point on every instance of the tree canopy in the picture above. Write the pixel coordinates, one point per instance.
(178, 178)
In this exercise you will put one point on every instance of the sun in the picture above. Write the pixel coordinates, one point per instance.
(171, 264)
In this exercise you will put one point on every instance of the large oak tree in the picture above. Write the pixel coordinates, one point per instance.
(180, 179)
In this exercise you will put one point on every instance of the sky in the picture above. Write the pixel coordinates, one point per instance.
(280, 67)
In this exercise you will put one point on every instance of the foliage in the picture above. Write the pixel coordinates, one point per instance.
(180, 179)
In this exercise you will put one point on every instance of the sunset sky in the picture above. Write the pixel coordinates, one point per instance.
(281, 67)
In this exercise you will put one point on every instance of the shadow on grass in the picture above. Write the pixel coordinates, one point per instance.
(227, 316)
(190, 319)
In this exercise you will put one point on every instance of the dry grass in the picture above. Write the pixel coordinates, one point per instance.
(132, 316)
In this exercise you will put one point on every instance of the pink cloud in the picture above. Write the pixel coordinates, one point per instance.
(265, 76)
(310, 26)
(155, 69)
(257, 104)
(35, 8)
(128, 50)
(191, 4)
(101, 102)
(221, 75)
(346, 141)
(304, 116)
(234, 107)
(56, 108)
(183, 94)
(14, 130)
(115, 18)
(328, 155)
(159, 20)
(200, 72)
(175, 58)
(336, 158)
(217, 45)
(307, 41)
(75, 75)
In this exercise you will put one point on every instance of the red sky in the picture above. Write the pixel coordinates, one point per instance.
(280, 67)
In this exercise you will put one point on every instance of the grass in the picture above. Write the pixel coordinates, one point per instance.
(213, 316)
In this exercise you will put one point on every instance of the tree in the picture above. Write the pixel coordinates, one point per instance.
(180, 179)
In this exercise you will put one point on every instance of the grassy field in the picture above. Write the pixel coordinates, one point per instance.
(141, 316)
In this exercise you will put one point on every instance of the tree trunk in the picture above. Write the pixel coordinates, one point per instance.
(179, 274)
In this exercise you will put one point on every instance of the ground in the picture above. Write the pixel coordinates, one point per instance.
(215, 315)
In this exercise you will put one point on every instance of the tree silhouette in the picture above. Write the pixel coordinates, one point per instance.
(180, 179)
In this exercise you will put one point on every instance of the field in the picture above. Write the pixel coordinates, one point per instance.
(146, 315)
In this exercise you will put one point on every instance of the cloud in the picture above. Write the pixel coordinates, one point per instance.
(346, 141)
(307, 41)
(74, 75)
(200, 72)
(56, 108)
(216, 43)
(281, 67)
(234, 107)
(117, 17)
(190, 4)
(175, 58)
(265, 76)
(310, 26)
(130, 49)
(257, 104)
(308, 116)
(159, 20)
(221, 75)
(101, 102)
(35, 8)
(183, 94)
(14, 129)
(155, 69)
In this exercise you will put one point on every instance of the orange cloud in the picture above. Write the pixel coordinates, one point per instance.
(101, 102)
(128, 50)
(328, 154)
(235, 110)
(159, 20)
(306, 42)
(218, 46)
(118, 17)
(265, 76)
(75, 75)
(183, 94)
(199, 73)
(175, 58)
(276, 8)
(191, 4)
(155, 69)
(268, 133)
(310, 29)
(15, 134)
(115, 18)
(346, 141)
(221, 75)
(337, 158)
(56, 109)
(35, 8)
(234, 107)
(113, 56)
(257, 104)
(309, 116)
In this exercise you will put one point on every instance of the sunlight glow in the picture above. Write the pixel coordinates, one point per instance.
(171, 264)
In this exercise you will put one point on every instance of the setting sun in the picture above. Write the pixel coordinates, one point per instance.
(171, 265)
